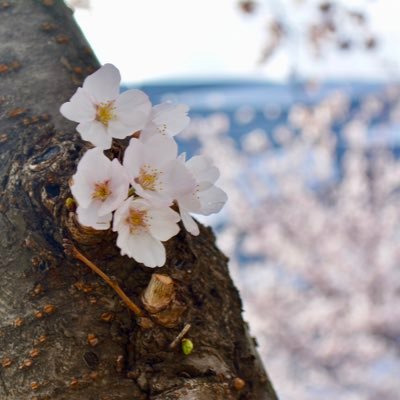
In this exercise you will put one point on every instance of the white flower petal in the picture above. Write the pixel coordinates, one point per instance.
(158, 199)
(95, 133)
(119, 130)
(192, 186)
(212, 200)
(178, 179)
(148, 131)
(189, 223)
(150, 158)
(93, 167)
(159, 150)
(103, 85)
(122, 238)
(170, 118)
(133, 158)
(118, 172)
(95, 164)
(89, 217)
(122, 211)
(133, 109)
(109, 205)
(139, 243)
(203, 169)
(79, 108)
(81, 190)
(121, 214)
(119, 186)
(190, 202)
(145, 249)
(163, 223)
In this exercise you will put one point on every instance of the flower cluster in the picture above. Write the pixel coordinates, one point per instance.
(137, 194)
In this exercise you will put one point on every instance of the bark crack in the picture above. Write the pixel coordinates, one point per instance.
(3, 384)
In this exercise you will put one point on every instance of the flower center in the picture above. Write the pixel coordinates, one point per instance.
(137, 219)
(101, 191)
(105, 112)
(148, 178)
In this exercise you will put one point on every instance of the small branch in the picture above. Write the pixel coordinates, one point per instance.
(71, 250)
(159, 293)
(159, 300)
(183, 332)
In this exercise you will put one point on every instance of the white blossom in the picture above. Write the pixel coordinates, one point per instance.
(192, 186)
(166, 119)
(90, 217)
(102, 112)
(141, 228)
(147, 164)
(99, 187)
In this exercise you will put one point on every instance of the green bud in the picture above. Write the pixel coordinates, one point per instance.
(70, 203)
(187, 346)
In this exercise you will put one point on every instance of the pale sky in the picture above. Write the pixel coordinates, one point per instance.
(163, 39)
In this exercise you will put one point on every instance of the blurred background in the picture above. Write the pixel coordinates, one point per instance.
(298, 103)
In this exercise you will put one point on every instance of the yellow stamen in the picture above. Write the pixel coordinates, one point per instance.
(105, 112)
(147, 179)
(137, 219)
(101, 191)
(162, 128)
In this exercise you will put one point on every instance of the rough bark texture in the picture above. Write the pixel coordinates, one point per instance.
(64, 334)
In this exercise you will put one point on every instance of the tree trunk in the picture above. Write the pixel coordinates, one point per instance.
(64, 333)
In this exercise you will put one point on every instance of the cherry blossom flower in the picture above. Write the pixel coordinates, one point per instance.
(141, 228)
(167, 119)
(192, 186)
(142, 217)
(99, 187)
(102, 112)
(89, 217)
(147, 164)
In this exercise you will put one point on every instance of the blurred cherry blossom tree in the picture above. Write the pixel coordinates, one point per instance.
(312, 230)
(320, 25)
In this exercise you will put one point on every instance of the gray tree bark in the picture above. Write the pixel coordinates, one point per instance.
(65, 334)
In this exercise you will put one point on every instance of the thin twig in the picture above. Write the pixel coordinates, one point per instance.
(183, 332)
(71, 250)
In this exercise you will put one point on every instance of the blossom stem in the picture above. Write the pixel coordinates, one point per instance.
(73, 251)
(131, 192)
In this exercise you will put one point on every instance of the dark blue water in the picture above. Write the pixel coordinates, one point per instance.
(209, 97)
